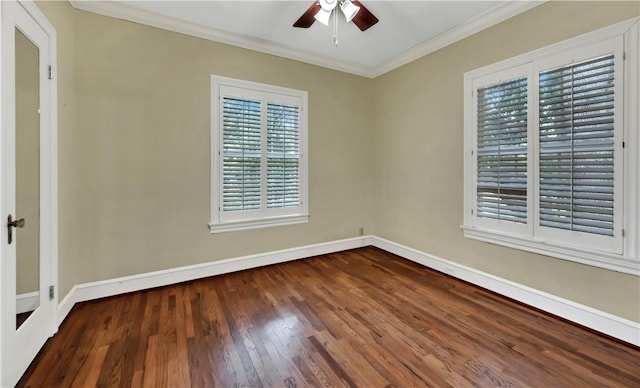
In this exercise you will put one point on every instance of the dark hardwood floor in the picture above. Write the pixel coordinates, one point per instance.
(361, 318)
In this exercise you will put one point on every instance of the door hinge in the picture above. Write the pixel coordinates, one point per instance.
(50, 72)
(50, 292)
(623, 233)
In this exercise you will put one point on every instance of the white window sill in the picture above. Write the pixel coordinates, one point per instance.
(620, 263)
(255, 224)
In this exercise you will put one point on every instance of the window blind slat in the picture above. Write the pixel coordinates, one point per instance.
(502, 151)
(577, 146)
(283, 155)
(242, 155)
(241, 149)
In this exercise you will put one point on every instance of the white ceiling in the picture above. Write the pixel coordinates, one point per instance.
(406, 31)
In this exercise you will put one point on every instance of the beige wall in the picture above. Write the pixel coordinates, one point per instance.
(135, 164)
(418, 141)
(135, 134)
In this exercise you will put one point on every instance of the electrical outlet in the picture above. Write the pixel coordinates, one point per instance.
(361, 231)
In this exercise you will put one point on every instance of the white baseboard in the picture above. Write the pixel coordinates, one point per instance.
(27, 302)
(94, 290)
(614, 326)
(603, 322)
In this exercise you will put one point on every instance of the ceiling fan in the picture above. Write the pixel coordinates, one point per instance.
(321, 10)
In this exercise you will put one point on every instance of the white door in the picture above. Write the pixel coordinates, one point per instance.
(28, 200)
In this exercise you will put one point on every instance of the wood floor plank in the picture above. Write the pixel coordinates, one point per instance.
(359, 318)
(88, 376)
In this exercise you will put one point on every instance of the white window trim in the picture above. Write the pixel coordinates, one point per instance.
(218, 223)
(629, 260)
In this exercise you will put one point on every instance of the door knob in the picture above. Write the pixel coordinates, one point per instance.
(13, 224)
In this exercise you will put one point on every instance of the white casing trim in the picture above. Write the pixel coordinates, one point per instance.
(610, 261)
(490, 18)
(614, 326)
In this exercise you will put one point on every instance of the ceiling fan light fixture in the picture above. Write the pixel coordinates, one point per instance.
(328, 5)
(349, 10)
(323, 16)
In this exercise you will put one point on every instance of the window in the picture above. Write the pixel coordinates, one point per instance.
(577, 147)
(551, 139)
(259, 168)
(502, 151)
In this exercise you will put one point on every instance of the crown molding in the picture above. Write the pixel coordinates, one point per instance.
(464, 30)
(123, 11)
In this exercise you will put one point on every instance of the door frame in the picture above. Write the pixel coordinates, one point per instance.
(48, 182)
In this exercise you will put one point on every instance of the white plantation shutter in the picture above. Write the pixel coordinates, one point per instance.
(241, 150)
(577, 147)
(551, 150)
(259, 170)
(242, 144)
(501, 188)
(283, 155)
